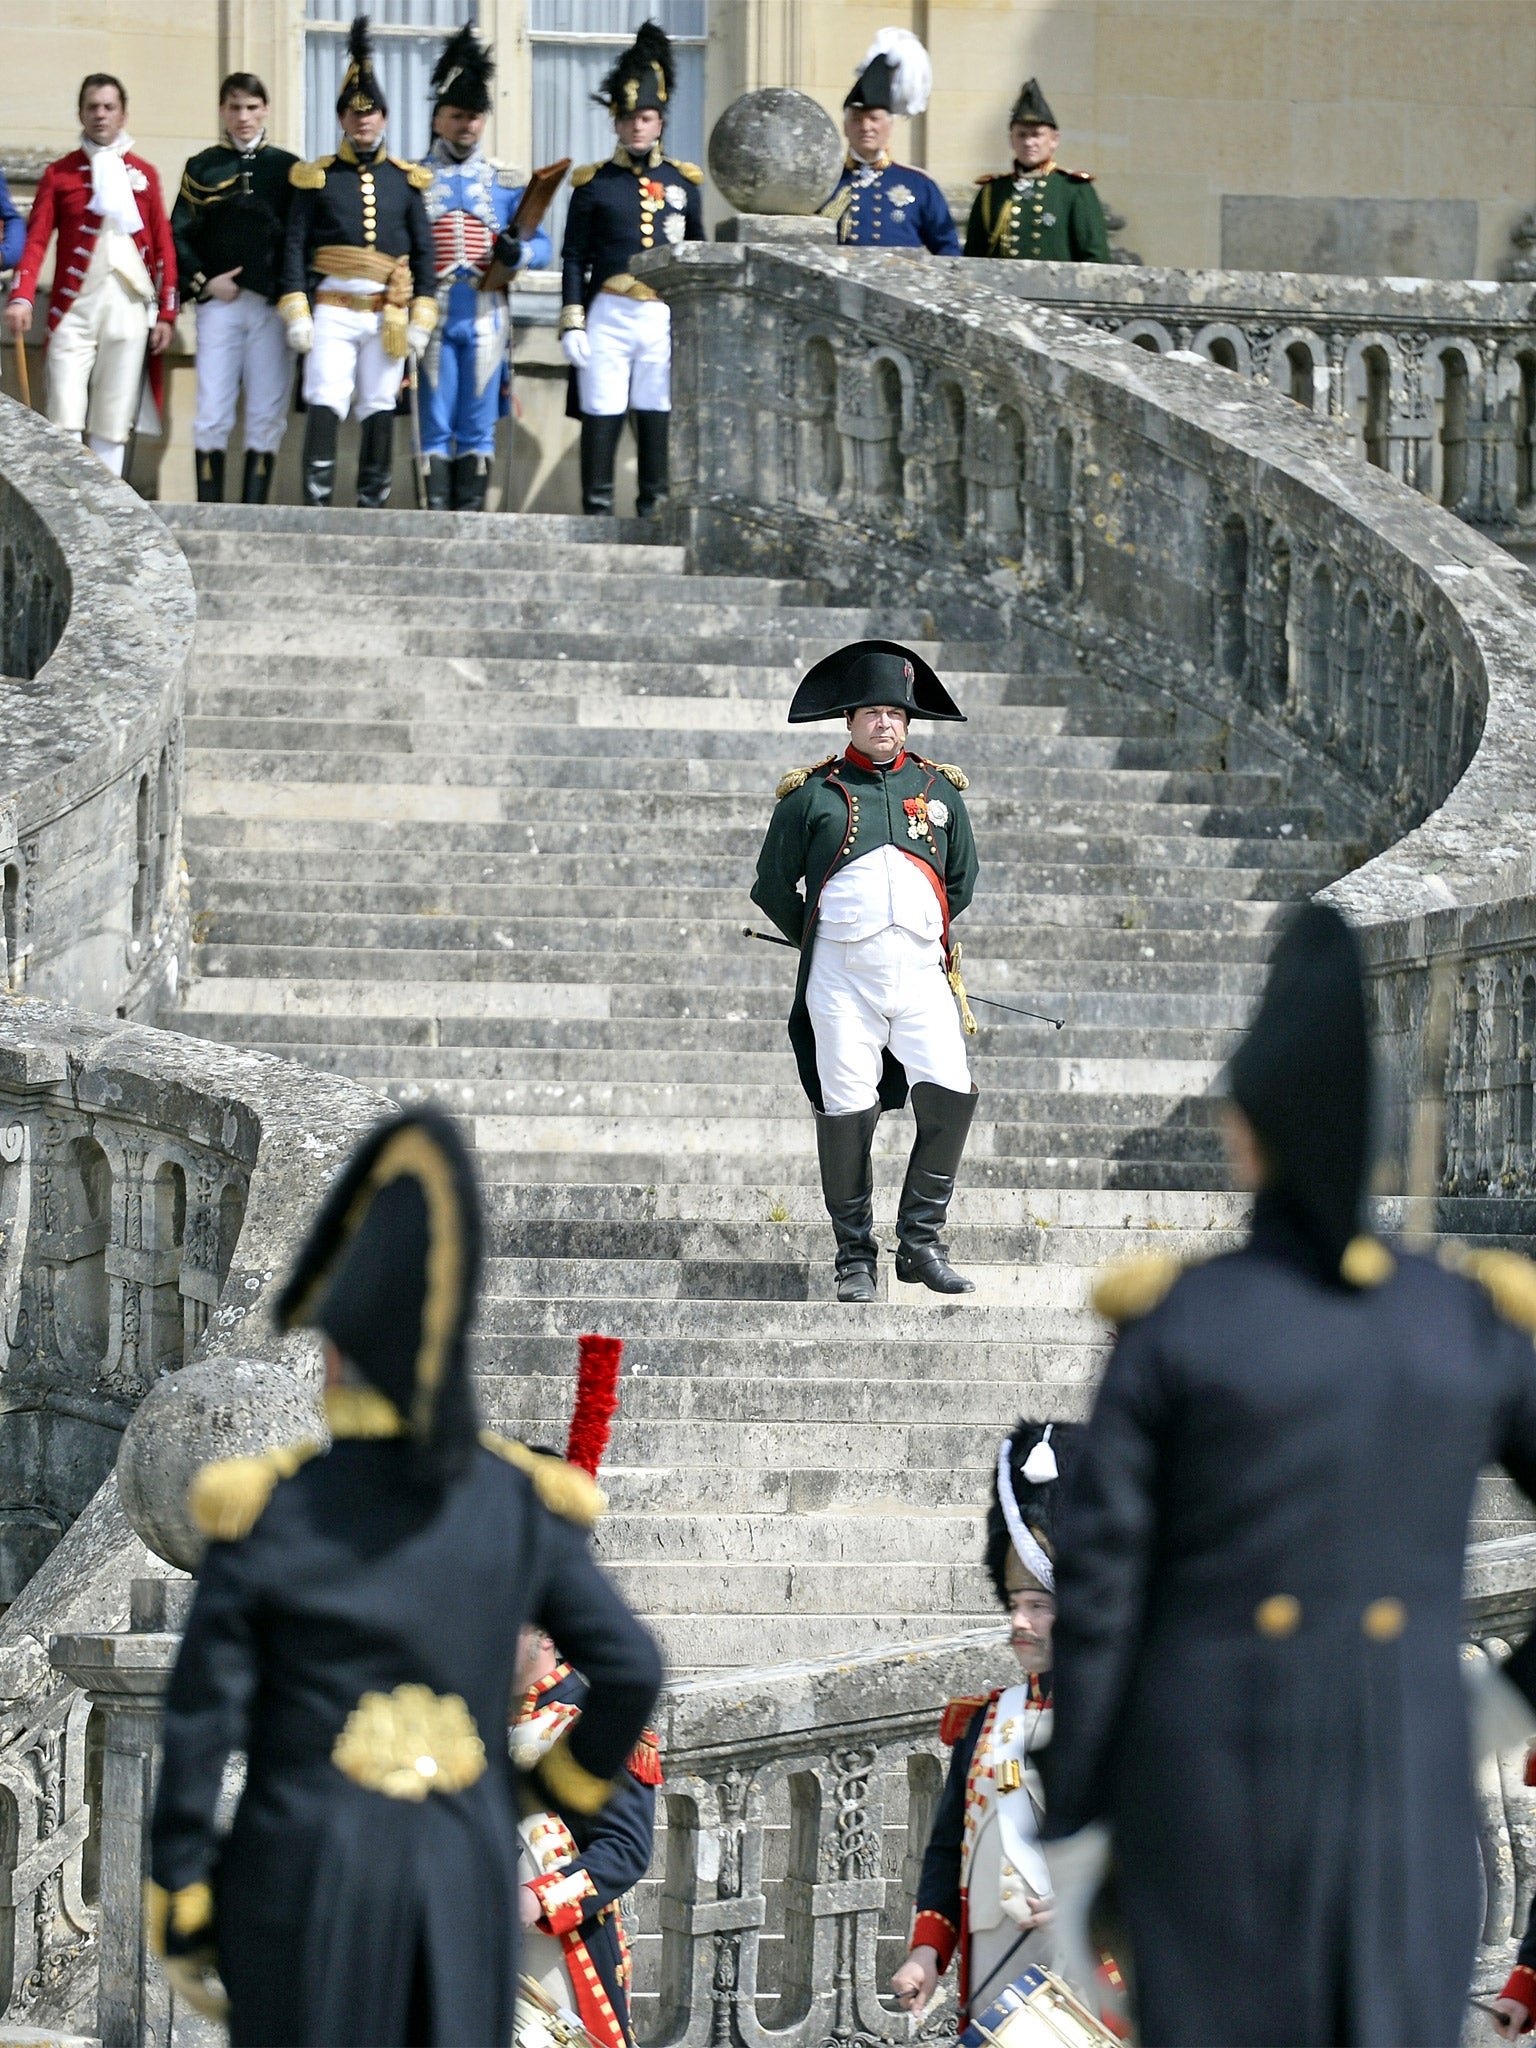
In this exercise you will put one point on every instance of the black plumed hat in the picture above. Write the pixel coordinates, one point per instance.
(390, 1272)
(871, 672)
(1049, 1450)
(1303, 1078)
(895, 76)
(361, 92)
(1032, 105)
(462, 75)
(643, 77)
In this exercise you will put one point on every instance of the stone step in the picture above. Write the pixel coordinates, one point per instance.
(215, 556)
(706, 1241)
(941, 1538)
(366, 584)
(1060, 1170)
(523, 625)
(516, 529)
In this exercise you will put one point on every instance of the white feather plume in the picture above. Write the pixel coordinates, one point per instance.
(911, 70)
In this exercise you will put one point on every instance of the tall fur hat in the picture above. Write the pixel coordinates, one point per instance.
(1034, 1462)
(361, 92)
(643, 77)
(462, 75)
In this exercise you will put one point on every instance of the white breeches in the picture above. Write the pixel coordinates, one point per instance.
(348, 361)
(886, 990)
(631, 366)
(241, 342)
(96, 362)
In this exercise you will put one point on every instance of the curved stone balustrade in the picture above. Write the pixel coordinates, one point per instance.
(1434, 382)
(98, 610)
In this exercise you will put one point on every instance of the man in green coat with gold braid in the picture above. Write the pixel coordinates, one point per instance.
(868, 857)
(1037, 210)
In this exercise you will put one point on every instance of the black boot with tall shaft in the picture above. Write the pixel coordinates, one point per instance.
(210, 476)
(943, 1125)
(652, 477)
(599, 448)
(848, 1189)
(258, 477)
(376, 461)
(321, 427)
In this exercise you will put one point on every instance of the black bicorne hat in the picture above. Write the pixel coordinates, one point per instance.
(1303, 1078)
(871, 672)
(462, 75)
(1032, 105)
(390, 1272)
(361, 92)
(895, 77)
(643, 76)
(1031, 1509)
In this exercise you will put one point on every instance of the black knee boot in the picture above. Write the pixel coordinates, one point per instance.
(210, 476)
(651, 461)
(471, 474)
(943, 1124)
(321, 426)
(848, 1189)
(439, 483)
(258, 477)
(376, 461)
(599, 446)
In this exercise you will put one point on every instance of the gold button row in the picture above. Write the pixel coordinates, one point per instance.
(1280, 1615)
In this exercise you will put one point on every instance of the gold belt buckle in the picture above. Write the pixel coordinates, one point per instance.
(410, 1742)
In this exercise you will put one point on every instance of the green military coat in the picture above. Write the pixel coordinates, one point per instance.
(829, 816)
(1055, 219)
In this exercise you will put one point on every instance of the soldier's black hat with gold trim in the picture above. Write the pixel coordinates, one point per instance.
(871, 672)
(1032, 105)
(462, 75)
(361, 92)
(390, 1272)
(643, 77)
(1034, 1464)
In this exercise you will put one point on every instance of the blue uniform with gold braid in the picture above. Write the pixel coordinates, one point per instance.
(887, 205)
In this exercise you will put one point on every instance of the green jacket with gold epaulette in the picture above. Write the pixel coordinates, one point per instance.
(1054, 219)
(831, 815)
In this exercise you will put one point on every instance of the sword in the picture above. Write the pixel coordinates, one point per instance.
(1035, 1016)
(21, 367)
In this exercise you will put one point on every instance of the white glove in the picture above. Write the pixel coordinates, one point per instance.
(1077, 1865)
(578, 349)
(417, 339)
(300, 336)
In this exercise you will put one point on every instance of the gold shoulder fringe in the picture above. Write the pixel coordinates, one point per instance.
(227, 1498)
(989, 177)
(585, 173)
(310, 177)
(562, 1488)
(1509, 1279)
(1081, 177)
(419, 174)
(953, 774)
(690, 171)
(797, 778)
(1132, 1288)
(1367, 1263)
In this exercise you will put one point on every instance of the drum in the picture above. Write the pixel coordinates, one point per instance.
(1037, 2011)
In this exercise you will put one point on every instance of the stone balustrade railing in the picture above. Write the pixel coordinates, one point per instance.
(97, 609)
(1434, 382)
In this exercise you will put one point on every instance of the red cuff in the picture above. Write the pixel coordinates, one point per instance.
(932, 1930)
(1522, 1985)
(560, 1894)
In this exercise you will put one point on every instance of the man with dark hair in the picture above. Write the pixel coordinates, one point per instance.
(1037, 210)
(114, 281)
(229, 220)
(878, 203)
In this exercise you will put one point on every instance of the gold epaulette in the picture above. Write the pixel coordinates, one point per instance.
(420, 175)
(1368, 1263)
(1079, 177)
(1509, 1279)
(958, 1716)
(585, 173)
(310, 177)
(949, 772)
(798, 777)
(564, 1489)
(227, 1498)
(690, 171)
(990, 177)
(1132, 1288)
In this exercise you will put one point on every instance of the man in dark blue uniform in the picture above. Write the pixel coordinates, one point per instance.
(615, 332)
(877, 203)
(355, 1632)
(1258, 1683)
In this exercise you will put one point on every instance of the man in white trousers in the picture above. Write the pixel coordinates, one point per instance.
(615, 331)
(868, 857)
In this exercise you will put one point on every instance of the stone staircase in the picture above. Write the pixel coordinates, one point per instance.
(472, 810)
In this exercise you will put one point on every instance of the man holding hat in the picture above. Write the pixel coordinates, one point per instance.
(1037, 210)
(868, 857)
(878, 203)
(358, 226)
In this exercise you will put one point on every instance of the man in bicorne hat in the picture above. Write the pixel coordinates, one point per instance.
(867, 859)
(616, 333)
(1037, 209)
(878, 203)
(470, 205)
(359, 230)
(1258, 1682)
(355, 1632)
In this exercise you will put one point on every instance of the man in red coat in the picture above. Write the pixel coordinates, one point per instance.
(114, 285)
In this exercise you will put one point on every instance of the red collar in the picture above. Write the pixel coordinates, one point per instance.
(858, 760)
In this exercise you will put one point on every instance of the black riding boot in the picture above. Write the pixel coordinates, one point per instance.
(321, 426)
(258, 477)
(471, 474)
(651, 461)
(943, 1124)
(439, 483)
(599, 447)
(210, 476)
(376, 461)
(848, 1189)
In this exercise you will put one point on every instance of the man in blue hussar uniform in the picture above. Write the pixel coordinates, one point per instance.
(615, 332)
(877, 203)
(470, 205)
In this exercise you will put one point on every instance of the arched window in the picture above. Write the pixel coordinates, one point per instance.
(1452, 408)
(1376, 420)
(10, 925)
(1277, 611)
(822, 444)
(1525, 435)
(887, 471)
(1353, 723)
(1005, 491)
(1300, 382)
(1232, 599)
(1319, 678)
(1222, 353)
(948, 468)
(143, 881)
(1063, 567)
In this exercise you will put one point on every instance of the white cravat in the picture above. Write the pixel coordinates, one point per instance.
(111, 194)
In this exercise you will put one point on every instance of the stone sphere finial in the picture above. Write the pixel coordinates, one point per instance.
(221, 1409)
(775, 151)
